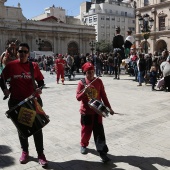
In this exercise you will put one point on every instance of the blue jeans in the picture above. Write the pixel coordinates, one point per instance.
(98, 70)
(136, 73)
(141, 76)
(111, 69)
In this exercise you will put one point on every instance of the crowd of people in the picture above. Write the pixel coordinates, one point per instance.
(20, 74)
(146, 68)
(150, 68)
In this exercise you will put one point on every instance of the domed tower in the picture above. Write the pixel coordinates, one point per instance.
(2, 2)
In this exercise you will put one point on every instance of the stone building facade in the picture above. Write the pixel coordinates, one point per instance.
(159, 36)
(56, 36)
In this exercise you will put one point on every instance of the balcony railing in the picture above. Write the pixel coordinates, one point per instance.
(166, 28)
(108, 12)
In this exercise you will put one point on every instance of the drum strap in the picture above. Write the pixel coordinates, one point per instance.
(32, 75)
(84, 82)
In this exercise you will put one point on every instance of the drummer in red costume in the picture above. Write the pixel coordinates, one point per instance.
(21, 87)
(90, 120)
(60, 65)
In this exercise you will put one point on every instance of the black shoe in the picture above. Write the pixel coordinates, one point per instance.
(118, 78)
(115, 78)
(104, 157)
(83, 150)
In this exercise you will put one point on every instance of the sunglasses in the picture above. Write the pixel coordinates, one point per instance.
(23, 51)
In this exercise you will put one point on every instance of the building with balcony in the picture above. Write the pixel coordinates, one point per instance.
(106, 15)
(159, 35)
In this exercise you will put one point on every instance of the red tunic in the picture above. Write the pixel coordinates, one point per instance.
(60, 64)
(97, 92)
(21, 85)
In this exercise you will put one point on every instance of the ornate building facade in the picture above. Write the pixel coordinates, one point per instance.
(55, 36)
(159, 35)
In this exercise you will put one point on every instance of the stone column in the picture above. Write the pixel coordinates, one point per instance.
(153, 38)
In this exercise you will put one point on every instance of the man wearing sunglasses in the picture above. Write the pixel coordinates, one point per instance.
(21, 87)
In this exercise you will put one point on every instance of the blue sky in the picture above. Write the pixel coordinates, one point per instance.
(32, 8)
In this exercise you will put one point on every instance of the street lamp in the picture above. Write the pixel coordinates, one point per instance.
(92, 45)
(40, 43)
(146, 23)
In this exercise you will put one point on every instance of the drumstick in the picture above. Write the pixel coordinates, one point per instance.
(118, 113)
(88, 85)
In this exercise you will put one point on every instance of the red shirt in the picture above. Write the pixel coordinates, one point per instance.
(60, 63)
(21, 85)
(97, 92)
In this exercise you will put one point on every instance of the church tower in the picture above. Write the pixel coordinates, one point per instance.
(2, 2)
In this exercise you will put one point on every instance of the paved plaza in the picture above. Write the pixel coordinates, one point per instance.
(138, 137)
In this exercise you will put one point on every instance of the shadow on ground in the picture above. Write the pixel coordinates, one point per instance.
(136, 162)
(5, 161)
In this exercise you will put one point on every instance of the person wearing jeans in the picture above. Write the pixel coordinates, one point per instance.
(141, 69)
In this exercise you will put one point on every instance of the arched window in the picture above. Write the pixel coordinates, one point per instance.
(72, 48)
(160, 45)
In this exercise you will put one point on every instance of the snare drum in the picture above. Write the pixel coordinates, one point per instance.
(99, 107)
(26, 118)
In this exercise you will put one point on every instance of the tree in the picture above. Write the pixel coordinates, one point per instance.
(103, 46)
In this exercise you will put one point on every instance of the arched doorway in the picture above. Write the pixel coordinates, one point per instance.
(160, 46)
(46, 46)
(72, 48)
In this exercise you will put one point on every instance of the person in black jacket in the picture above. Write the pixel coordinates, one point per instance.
(153, 77)
(118, 42)
(141, 64)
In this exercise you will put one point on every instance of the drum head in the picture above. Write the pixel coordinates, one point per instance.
(98, 107)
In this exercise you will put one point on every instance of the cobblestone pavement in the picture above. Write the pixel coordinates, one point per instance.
(138, 137)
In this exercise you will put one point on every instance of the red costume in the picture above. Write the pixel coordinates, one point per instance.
(60, 64)
(90, 120)
(20, 78)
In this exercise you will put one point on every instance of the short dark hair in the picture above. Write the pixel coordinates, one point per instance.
(24, 45)
(117, 29)
(129, 31)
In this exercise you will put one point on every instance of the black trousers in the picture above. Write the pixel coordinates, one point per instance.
(117, 71)
(94, 123)
(167, 82)
(38, 136)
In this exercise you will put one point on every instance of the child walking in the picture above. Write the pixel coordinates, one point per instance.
(153, 75)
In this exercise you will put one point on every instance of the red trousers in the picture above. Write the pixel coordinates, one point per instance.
(93, 123)
(60, 72)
